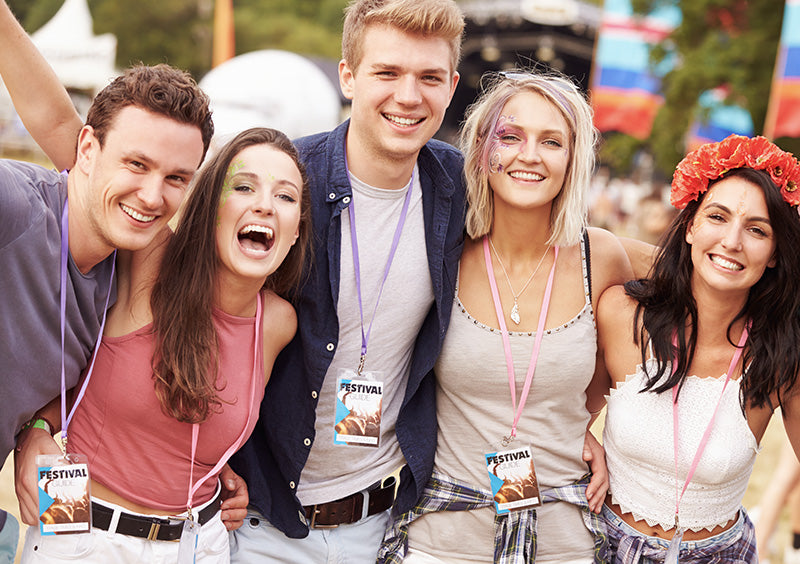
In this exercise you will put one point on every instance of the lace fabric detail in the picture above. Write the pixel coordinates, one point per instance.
(640, 453)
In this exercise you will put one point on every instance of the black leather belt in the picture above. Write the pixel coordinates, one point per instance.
(150, 528)
(378, 497)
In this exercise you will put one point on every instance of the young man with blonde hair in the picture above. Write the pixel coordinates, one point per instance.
(387, 208)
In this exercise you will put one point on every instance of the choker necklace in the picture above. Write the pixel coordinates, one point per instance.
(515, 309)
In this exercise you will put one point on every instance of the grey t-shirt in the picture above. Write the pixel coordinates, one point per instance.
(31, 202)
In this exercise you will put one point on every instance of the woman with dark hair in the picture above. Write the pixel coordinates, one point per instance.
(722, 299)
(188, 347)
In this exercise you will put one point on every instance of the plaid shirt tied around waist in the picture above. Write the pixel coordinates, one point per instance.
(515, 532)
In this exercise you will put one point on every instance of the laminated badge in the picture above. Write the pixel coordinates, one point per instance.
(64, 502)
(513, 480)
(358, 412)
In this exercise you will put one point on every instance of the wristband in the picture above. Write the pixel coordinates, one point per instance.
(38, 422)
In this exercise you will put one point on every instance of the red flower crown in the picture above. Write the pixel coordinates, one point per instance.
(714, 160)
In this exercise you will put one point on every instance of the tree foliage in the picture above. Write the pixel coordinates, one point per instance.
(730, 43)
(179, 32)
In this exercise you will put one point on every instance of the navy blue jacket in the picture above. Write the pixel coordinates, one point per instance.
(271, 461)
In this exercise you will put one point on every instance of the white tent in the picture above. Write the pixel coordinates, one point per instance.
(81, 59)
(271, 88)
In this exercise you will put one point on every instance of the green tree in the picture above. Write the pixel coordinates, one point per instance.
(729, 43)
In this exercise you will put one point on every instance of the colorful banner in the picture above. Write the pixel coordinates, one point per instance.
(625, 90)
(783, 114)
(718, 120)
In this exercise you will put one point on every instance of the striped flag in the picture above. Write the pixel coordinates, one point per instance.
(625, 91)
(783, 114)
(721, 119)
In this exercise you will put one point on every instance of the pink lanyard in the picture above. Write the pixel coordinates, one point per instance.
(701, 447)
(235, 446)
(507, 342)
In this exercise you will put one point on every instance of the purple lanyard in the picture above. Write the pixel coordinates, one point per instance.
(65, 420)
(537, 343)
(356, 264)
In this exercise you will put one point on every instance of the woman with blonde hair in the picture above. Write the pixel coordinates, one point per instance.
(516, 380)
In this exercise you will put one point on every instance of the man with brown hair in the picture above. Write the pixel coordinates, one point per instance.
(146, 134)
(387, 208)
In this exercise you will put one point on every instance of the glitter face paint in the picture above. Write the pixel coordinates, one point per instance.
(503, 128)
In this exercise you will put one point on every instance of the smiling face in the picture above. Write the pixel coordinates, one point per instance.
(137, 179)
(399, 91)
(731, 237)
(259, 213)
(529, 154)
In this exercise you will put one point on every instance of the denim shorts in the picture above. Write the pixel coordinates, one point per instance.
(736, 545)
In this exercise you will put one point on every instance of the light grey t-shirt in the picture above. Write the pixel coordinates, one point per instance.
(334, 471)
(31, 202)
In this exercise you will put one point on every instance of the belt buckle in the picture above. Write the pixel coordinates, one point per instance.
(153, 533)
(314, 525)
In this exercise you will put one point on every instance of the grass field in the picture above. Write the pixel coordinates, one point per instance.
(765, 463)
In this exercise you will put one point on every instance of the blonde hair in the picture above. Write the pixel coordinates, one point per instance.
(435, 18)
(570, 206)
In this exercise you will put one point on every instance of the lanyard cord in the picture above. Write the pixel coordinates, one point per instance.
(194, 486)
(66, 419)
(507, 342)
(701, 447)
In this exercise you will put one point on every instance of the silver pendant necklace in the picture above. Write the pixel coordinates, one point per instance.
(515, 309)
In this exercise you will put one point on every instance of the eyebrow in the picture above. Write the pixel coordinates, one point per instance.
(393, 67)
(254, 177)
(728, 210)
(139, 156)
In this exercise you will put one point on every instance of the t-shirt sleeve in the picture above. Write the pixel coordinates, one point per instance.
(21, 199)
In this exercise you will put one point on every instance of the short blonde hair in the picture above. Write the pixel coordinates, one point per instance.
(435, 18)
(570, 206)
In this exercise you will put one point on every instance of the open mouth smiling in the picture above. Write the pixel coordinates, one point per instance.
(136, 215)
(524, 175)
(726, 263)
(256, 237)
(401, 121)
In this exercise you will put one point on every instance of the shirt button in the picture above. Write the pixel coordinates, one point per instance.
(331, 196)
(307, 442)
(291, 485)
(330, 347)
(314, 394)
(346, 199)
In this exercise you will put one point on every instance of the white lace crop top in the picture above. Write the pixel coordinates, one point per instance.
(638, 438)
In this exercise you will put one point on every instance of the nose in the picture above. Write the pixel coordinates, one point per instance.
(732, 238)
(151, 192)
(408, 92)
(529, 152)
(264, 203)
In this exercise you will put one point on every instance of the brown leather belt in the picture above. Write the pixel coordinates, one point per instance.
(150, 528)
(377, 498)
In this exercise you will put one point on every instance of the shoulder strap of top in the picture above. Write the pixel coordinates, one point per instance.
(586, 262)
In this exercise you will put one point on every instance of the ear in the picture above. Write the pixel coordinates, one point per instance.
(88, 145)
(456, 76)
(690, 232)
(346, 78)
(773, 261)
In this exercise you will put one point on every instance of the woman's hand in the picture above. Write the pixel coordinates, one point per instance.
(30, 443)
(595, 455)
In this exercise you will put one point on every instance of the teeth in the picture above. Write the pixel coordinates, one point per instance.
(724, 263)
(401, 120)
(522, 175)
(258, 229)
(136, 215)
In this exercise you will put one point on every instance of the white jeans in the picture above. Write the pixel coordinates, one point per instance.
(258, 542)
(102, 547)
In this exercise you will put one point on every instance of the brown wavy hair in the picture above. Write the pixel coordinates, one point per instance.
(160, 89)
(185, 359)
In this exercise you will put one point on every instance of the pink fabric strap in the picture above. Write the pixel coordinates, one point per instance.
(701, 447)
(256, 377)
(537, 343)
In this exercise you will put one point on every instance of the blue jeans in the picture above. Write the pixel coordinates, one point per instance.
(9, 536)
(258, 542)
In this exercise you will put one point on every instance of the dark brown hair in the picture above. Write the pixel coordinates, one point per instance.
(160, 89)
(185, 356)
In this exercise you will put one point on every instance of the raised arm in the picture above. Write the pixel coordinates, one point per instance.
(39, 98)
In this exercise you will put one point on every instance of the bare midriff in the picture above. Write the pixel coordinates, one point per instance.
(662, 533)
(101, 492)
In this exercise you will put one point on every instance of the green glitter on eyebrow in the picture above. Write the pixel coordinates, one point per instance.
(227, 186)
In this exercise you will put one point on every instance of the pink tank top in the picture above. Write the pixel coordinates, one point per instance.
(133, 447)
